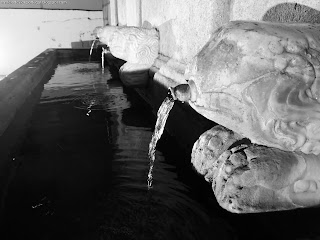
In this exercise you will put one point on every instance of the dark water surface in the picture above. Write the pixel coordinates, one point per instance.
(81, 173)
(84, 164)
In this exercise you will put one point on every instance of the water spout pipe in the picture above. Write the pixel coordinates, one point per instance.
(183, 92)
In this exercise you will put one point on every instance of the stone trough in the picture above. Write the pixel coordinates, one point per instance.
(152, 79)
(20, 92)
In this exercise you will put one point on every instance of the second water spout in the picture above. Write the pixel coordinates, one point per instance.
(184, 92)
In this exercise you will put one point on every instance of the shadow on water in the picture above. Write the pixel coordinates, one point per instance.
(11, 140)
(85, 176)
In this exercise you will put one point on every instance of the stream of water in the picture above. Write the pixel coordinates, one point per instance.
(91, 49)
(162, 116)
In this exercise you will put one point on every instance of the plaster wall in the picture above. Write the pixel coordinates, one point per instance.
(184, 25)
(133, 8)
(25, 33)
(105, 9)
(122, 12)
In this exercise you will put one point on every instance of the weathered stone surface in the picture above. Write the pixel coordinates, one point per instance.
(209, 147)
(132, 44)
(17, 86)
(255, 10)
(138, 46)
(261, 80)
(250, 178)
(184, 25)
(292, 13)
(133, 74)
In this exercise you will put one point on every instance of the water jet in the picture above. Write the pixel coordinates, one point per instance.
(248, 92)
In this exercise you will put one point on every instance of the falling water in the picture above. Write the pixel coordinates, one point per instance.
(162, 115)
(91, 49)
(102, 58)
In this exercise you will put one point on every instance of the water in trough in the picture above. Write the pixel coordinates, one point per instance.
(83, 165)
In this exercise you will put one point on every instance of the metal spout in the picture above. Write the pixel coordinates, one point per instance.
(183, 92)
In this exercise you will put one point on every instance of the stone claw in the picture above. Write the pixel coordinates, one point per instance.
(249, 178)
(209, 147)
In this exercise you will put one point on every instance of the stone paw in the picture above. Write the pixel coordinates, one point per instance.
(250, 178)
(260, 179)
(306, 191)
(208, 148)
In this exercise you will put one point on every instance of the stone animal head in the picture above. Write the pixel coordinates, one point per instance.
(104, 33)
(132, 44)
(260, 80)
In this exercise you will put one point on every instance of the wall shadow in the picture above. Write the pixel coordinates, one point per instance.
(292, 12)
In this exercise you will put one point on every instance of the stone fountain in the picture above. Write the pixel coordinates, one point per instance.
(260, 82)
(139, 47)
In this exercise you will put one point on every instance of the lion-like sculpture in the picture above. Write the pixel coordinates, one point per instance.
(138, 46)
(262, 81)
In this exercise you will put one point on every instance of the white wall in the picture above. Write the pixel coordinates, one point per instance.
(123, 12)
(184, 25)
(62, 4)
(133, 12)
(24, 33)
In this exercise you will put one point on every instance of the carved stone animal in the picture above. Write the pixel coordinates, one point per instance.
(132, 44)
(261, 81)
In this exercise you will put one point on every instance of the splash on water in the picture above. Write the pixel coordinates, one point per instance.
(89, 109)
(91, 49)
(162, 116)
(91, 102)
